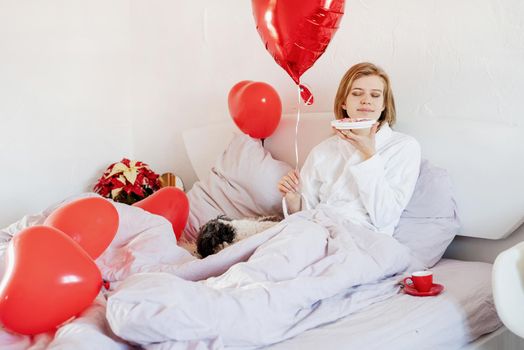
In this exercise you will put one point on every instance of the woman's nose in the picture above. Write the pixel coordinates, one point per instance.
(365, 100)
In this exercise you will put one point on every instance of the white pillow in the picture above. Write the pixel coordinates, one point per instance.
(242, 184)
(430, 221)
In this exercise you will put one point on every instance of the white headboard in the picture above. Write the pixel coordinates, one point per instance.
(486, 161)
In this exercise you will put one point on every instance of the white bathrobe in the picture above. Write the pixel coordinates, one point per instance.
(371, 193)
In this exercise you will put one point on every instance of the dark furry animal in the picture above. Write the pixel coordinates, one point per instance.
(218, 233)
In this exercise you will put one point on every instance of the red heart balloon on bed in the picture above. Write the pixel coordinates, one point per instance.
(297, 32)
(91, 222)
(255, 108)
(48, 279)
(171, 203)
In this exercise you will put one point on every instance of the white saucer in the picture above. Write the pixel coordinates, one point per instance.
(344, 124)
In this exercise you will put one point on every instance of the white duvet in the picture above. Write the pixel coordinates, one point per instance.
(306, 271)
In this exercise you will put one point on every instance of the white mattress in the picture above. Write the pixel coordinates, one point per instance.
(461, 314)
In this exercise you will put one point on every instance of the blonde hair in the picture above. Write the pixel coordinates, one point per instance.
(359, 70)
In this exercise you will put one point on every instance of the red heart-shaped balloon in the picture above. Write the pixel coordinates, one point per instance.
(48, 279)
(91, 222)
(297, 32)
(171, 203)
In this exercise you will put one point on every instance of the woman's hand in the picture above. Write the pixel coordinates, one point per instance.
(289, 183)
(289, 187)
(364, 142)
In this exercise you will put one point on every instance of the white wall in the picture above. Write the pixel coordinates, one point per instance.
(64, 98)
(84, 83)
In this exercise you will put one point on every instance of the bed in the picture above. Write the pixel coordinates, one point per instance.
(464, 312)
(462, 317)
(468, 328)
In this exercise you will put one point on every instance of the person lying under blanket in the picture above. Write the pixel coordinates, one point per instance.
(365, 175)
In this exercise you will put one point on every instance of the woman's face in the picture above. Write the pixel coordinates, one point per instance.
(365, 98)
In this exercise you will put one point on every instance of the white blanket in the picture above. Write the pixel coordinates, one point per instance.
(305, 271)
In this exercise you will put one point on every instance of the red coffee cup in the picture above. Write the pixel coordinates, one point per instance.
(421, 280)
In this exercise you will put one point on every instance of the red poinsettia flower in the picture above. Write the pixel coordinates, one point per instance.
(127, 181)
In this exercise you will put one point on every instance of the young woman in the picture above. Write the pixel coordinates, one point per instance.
(366, 176)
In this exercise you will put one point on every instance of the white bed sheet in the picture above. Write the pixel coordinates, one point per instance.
(461, 314)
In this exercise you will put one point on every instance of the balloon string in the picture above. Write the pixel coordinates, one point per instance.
(296, 127)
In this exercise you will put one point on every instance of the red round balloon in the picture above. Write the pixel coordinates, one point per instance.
(171, 203)
(91, 222)
(297, 32)
(48, 279)
(255, 108)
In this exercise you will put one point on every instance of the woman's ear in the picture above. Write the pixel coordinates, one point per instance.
(344, 106)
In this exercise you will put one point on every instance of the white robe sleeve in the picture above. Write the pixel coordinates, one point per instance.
(310, 182)
(386, 188)
(309, 185)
